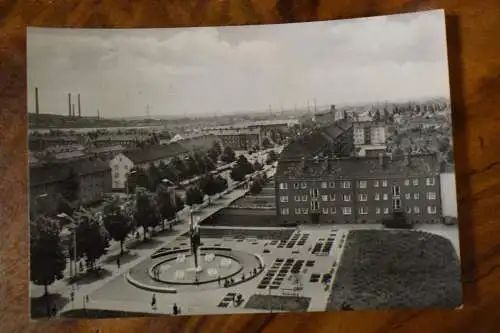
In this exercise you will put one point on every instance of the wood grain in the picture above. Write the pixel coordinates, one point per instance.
(474, 54)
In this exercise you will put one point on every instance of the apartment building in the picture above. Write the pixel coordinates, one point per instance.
(358, 189)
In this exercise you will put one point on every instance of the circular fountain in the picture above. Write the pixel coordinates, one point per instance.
(190, 268)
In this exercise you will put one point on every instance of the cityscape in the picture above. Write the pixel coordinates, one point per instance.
(310, 205)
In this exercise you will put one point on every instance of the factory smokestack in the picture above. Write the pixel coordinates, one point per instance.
(37, 110)
(98, 114)
(69, 104)
(79, 107)
(73, 109)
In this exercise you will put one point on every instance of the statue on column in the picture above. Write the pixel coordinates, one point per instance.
(194, 233)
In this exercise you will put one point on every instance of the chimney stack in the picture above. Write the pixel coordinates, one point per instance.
(73, 109)
(79, 107)
(37, 110)
(69, 104)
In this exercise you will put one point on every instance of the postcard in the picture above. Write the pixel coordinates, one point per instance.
(244, 169)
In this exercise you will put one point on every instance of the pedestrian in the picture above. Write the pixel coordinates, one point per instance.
(54, 311)
(72, 295)
(118, 263)
(153, 302)
(218, 280)
(175, 309)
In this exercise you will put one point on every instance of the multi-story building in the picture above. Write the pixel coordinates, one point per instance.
(124, 162)
(240, 138)
(370, 137)
(49, 181)
(358, 189)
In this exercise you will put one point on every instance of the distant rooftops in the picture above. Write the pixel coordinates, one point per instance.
(170, 150)
(358, 167)
(317, 140)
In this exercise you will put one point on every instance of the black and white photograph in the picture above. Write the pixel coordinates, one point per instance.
(242, 169)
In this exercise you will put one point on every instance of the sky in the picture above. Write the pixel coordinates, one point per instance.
(204, 71)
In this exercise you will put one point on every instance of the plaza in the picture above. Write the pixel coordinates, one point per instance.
(295, 262)
(273, 269)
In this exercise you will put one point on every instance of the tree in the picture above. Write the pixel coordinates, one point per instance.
(91, 241)
(146, 215)
(179, 167)
(256, 187)
(237, 174)
(257, 166)
(154, 177)
(266, 143)
(209, 164)
(271, 157)
(47, 260)
(137, 177)
(167, 203)
(212, 185)
(241, 168)
(117, 222)
(167, 171)
(194, 196)
(208, 186)
(192, 167)
(215, 151)
(228, 155)
(71, 186)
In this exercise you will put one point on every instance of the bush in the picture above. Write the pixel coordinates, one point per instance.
(398, 221)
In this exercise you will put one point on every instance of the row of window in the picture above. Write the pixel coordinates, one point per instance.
(362, 210)
(361, 197)
(361, 183)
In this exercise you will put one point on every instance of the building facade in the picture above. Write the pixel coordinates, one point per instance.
(240, 139)
(359, 190)
(370, 137)
(48, 182)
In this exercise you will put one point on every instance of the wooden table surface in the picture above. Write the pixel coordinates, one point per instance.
(474, 57)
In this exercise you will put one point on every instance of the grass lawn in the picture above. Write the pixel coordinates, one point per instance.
(90, 313)
(277, 302)
(397, 269)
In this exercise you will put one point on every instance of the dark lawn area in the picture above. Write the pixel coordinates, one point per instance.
(397, 269)
(278, 303)
(90, 313)
(276, 234)
(241, 217)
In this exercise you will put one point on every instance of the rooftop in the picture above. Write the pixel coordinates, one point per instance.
(358, 167)
(59, 171)
(316, 141)
(170, 150)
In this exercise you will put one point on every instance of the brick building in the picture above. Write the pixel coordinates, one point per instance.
(47, 182)
(358, 189)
